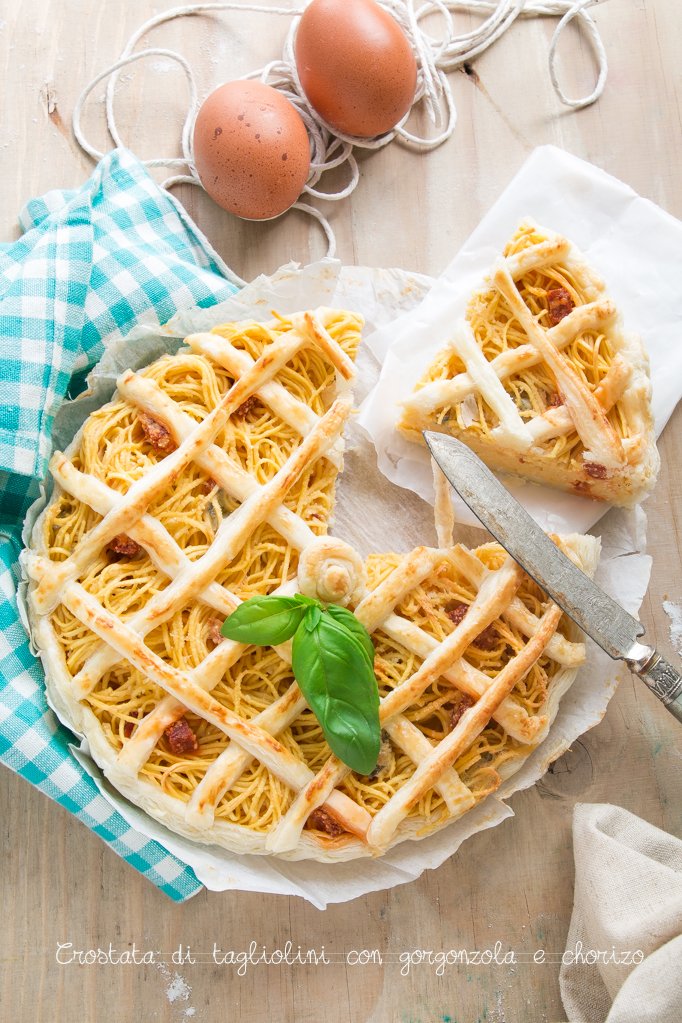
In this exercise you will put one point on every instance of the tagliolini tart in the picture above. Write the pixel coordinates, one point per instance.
(541, 379)
(209, 479)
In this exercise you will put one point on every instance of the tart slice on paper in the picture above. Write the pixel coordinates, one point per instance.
(541, 379)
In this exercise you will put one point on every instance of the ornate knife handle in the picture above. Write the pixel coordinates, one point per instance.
(660, 676)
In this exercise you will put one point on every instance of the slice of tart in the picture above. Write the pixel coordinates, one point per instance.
(542, 380)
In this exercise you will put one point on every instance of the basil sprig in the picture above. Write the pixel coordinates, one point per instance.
(333, 662)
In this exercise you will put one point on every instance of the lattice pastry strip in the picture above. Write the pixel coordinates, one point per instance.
(168, 557)
(485, 609)
(226, 770)
(148, 396)
(415, 567)
(494, 598)
(234, 480)
(589, 421)
(541, 379)
(556, 421)
(471, 724)
(143, 492)
(268, 761)
(231, 535)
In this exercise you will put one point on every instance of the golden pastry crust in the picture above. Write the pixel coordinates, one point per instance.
(542, 380)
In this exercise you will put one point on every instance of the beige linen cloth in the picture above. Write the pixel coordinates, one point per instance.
(628, 896)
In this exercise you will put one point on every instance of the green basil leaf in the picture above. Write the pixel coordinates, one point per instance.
(301, 598)
(264, 621)
(335, 676)
(354, 626)
(312, 618)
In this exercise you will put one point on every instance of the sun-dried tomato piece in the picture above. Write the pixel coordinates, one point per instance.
(247, 406)
(123, 545)
(129, 726)
(455, 714)
(559, 304)
(486, 640)
(456, 612)
(158, 435)
(320, 820)
(181, 738)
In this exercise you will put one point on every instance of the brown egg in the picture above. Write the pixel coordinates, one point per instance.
(251, 150)
(356, 65)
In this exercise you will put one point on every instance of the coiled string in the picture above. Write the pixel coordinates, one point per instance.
(435, 56)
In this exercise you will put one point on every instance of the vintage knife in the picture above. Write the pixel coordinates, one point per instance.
(609, 625)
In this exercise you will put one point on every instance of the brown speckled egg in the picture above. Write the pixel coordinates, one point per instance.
(251, 150)
(356, 65)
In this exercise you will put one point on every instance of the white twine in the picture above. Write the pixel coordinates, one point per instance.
(435, 56)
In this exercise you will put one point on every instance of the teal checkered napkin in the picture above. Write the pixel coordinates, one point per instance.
(92, 264)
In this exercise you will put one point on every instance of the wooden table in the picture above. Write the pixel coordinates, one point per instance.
(513, 884)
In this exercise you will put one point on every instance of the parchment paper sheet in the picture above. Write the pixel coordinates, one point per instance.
(369, 510)
(633, 244)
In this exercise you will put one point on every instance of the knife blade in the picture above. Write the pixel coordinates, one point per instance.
(595, 612)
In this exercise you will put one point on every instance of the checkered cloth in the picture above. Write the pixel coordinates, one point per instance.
(92, 264)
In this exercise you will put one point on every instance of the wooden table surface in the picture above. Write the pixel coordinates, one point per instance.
(514, 883)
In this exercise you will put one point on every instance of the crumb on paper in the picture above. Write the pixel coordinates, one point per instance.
(674, 613)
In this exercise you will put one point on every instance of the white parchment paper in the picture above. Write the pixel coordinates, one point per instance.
(372, 514)
(633, 244)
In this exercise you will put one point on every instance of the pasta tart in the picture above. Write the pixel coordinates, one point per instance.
(208, 481)
(541, 379)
